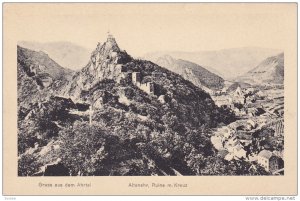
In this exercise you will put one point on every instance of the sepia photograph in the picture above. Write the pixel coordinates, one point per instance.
(156, 90)
(162, 115)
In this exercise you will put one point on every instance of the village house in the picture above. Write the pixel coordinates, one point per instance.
(223, 100)
(227, 132)
(253, 112)
(232, 141)
(238, 96)
(260, 94)
(251, 99)
(224, 90)
(221, 92)
(217, 141)
(236, 110)
(268, 160)
(239, 99)
(237, 151)
(250, 90)
(250, 125)
(238, 92)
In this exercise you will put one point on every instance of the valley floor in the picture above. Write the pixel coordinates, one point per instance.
(254, 133)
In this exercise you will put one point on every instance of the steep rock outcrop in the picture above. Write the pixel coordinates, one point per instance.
(106, 62)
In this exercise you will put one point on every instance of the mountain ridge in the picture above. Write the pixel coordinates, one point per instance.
(195, 73)
(228, 63)
(40, 74)
(66, 54)
(270, 70)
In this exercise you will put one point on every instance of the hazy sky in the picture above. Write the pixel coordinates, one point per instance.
(141, 28)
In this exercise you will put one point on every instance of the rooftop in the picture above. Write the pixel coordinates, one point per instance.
(265, 153)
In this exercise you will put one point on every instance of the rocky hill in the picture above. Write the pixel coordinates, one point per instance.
(122, 116)
(198, 75)
(38, 76)
(269, 71)
(106, 62)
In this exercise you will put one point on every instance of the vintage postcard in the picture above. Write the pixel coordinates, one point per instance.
(150, 98)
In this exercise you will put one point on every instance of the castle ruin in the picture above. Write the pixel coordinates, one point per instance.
(147, 87)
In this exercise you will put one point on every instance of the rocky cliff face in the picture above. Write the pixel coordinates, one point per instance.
(106, 62)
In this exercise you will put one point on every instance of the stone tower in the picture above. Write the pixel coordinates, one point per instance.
(136, 77)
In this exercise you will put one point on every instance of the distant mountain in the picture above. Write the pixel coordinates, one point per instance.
(38, 75)
(270, 70)
(66, 54)
(198, 75)
(228, 63)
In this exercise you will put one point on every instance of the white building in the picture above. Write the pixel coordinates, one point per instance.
(267, 160)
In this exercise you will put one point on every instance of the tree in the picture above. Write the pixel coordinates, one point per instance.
(34, 131)
(28, 165)
(82, 147)
(214, 165)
